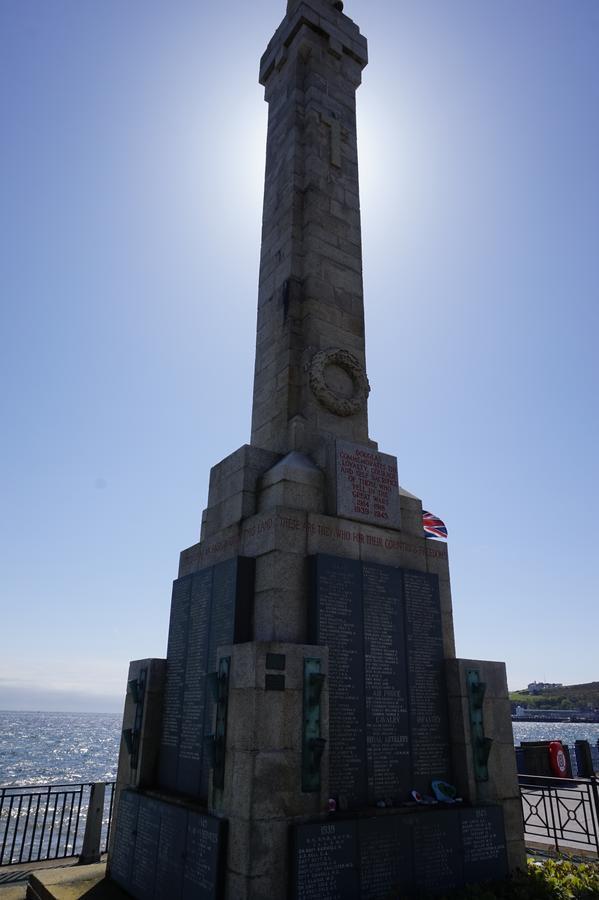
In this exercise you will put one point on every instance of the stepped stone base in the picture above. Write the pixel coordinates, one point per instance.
(295, 568)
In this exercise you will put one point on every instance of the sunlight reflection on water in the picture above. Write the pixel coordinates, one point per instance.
(49, 748)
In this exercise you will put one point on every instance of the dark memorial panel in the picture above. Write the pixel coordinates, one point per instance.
(202, 875)
(210, 608)
(143, 870)
(121, 858)
(483, 840)
(222, 622)
(398, 855)
(337, 622)
(429, 727)
(438, 864)
(385, 857)
(389, 730)
(325, 862)
(175, 683)
(166, 852)
(171, 852)
(387, 717)
(194, 695)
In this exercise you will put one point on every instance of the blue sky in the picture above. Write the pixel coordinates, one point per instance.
(132, 158)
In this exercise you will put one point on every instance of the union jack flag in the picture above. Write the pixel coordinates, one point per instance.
(433, 526)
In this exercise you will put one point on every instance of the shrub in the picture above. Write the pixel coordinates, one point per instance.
(550, 880)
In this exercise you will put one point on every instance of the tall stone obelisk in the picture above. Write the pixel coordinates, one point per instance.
(310, 378)
(311, 690)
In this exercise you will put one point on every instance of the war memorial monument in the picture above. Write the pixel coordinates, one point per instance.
(311, 695)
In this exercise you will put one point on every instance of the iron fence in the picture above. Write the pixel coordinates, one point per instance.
(48, 821)
(561, 812)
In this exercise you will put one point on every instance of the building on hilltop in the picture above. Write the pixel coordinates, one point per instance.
(540, 687)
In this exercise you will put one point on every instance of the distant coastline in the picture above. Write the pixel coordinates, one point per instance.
(541, 702)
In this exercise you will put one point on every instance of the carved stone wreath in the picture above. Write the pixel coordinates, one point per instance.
(346, 361)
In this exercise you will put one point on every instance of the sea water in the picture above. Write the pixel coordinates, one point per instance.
(566, 732)
(55, 748)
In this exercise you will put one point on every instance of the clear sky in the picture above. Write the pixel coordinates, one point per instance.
(132, 141)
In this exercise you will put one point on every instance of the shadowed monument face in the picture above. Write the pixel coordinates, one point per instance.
(310, 383)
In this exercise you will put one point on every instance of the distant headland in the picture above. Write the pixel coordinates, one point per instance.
(556, 702)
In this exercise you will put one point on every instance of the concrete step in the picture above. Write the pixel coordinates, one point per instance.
(72, 884)
(13, 891)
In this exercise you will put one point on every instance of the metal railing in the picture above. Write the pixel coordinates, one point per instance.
(54, 821)
(561, 812)
(51, 821)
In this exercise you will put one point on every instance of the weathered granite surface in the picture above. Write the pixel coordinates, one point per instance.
(327, 592)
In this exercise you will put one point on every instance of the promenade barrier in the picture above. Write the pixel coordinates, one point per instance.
(561, 814)
(62, 821)
(55, 821)
(572, 757)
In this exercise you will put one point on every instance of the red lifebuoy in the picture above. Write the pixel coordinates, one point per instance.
(557, 759)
